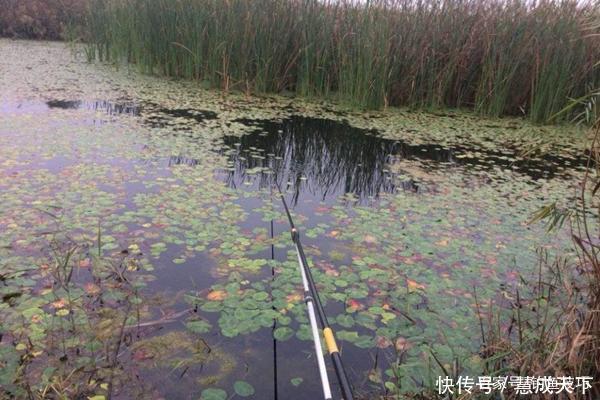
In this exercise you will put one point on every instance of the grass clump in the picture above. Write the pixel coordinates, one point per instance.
(498, 57)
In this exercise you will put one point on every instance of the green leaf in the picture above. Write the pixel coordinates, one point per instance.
(365, 342)
(199, 326)
(345, 320)
(304, 332)
(348, 336)
(213, 394)
(283, 333)
(260, 296)
(391, 386)
(212, 306)
(243, 388)
(341, 283)
(296, 381)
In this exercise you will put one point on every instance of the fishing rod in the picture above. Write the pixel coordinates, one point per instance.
(311, 297)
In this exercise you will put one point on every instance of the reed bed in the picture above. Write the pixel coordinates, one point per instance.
(498, 57)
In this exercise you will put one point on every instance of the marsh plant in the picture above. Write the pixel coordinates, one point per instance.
(69, 329)
(495, 56)
(549, 323)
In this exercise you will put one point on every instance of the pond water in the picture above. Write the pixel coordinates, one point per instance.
(184, 278)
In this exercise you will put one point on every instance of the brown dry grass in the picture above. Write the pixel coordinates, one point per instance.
(39, 19)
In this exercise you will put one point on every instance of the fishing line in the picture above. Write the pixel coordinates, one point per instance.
(275, 389)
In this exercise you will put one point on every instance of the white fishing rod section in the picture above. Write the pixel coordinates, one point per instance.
(315, 330)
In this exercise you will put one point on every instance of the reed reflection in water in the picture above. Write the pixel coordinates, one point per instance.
(323, 157)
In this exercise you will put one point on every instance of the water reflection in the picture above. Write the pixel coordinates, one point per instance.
(323, 157)
(155, 116)
(182, 160)
(109, 107)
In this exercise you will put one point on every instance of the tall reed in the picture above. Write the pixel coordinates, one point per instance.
(498, 57)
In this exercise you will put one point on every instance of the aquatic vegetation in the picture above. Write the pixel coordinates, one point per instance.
(65, 316)
(137, 171)
(497, 57)
(551, 322)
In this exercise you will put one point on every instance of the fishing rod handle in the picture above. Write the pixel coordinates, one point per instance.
(337, 363)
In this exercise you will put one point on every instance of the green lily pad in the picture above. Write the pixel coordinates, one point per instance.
(296, 381)
(213, 394)
(283, 333)
(243, 388)
(199, 326)
(345, 320)
(260, 296)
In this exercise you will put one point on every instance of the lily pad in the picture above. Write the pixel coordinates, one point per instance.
(296, 381)
(243, 388)
(213, 394)
(283, 333)
(199, 326)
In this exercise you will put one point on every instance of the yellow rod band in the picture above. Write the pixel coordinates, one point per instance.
(330, 341)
